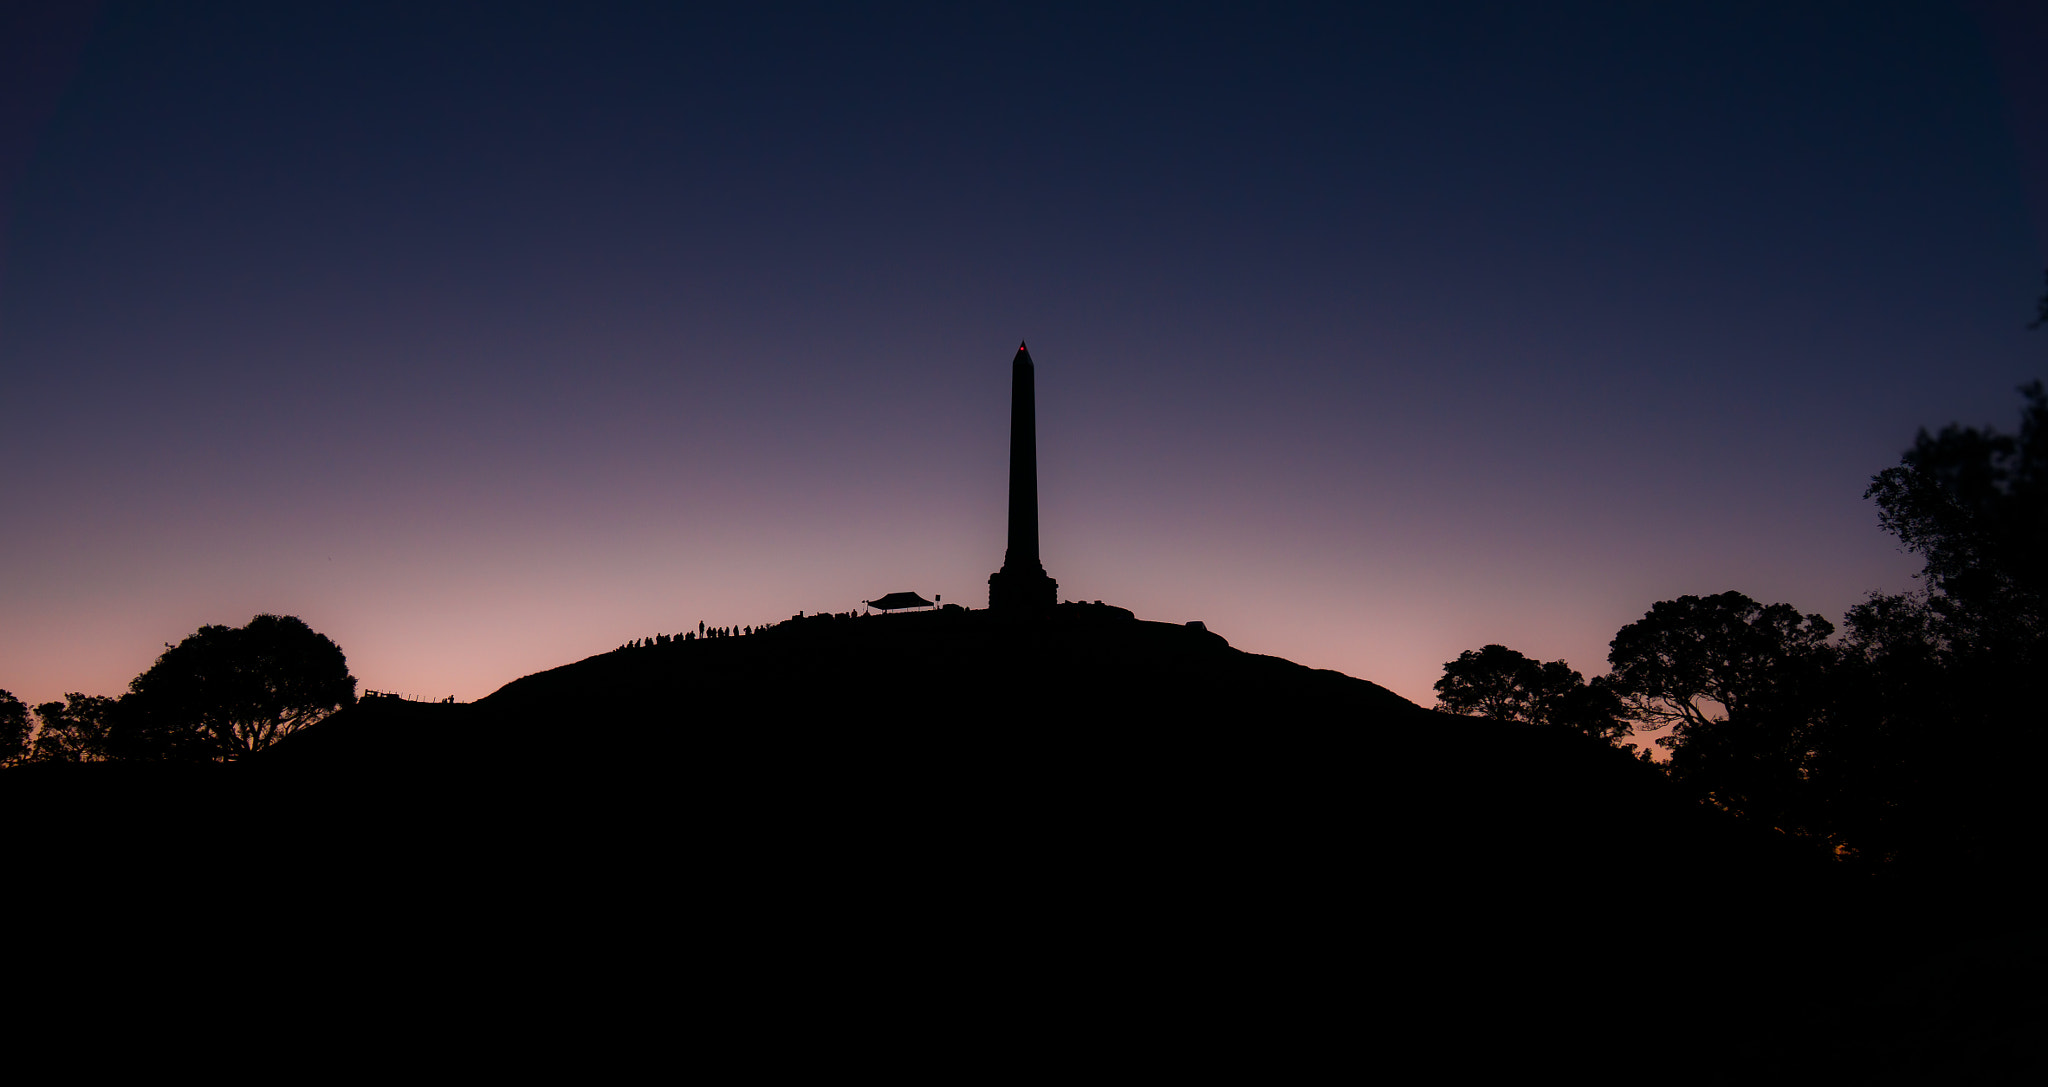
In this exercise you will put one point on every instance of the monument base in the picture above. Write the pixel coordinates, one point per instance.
(1022, 590)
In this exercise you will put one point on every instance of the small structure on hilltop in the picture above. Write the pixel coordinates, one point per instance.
(898, 602)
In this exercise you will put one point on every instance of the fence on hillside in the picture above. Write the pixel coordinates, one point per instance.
(407, 697)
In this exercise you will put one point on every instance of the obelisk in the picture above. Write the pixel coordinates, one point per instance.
(1022, 585)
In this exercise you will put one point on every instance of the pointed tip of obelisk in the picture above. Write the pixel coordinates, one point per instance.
(1023, 352)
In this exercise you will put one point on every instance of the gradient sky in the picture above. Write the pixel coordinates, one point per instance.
(484, 337)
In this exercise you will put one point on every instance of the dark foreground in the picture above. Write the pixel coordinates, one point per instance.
(946, 844)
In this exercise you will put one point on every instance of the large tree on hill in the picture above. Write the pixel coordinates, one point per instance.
(1974, 504)
(1896, 739)
(1920, 737)
(1687, 661)
(1499, 683)
(1493, 682)
(1937, 733)
(1740, 684)
(226, 692)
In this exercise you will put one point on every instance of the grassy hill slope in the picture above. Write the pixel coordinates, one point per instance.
(1085, 820)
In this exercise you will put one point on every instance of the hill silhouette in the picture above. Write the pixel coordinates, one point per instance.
(1002, 823)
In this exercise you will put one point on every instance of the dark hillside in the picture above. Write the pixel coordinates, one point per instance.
(1122, 821)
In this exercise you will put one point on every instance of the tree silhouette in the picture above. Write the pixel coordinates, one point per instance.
(1927, 679)
(1740, 683)
(225, 692)
(1974, 504)
(1879, 744)
(1876, 759)
(1499, 683)
(1494, 682)
(1686, 657)
(1588, 706)
(14, 727)
(78, 729)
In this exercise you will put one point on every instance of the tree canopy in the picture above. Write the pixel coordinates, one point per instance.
(225, 692)
(1974, 504)
(1501, 684)
(78, 729)
(1493, 682)
(1686, 657)
(14, 729)
(1739, 683)
(1928, 678)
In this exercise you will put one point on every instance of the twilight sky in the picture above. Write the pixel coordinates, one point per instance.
(485, 337)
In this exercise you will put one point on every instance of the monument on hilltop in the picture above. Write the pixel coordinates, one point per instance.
(1022, 585)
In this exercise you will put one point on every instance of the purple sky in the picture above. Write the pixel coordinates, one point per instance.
(486, 339)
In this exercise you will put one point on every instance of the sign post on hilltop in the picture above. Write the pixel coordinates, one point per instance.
(1022, 585)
